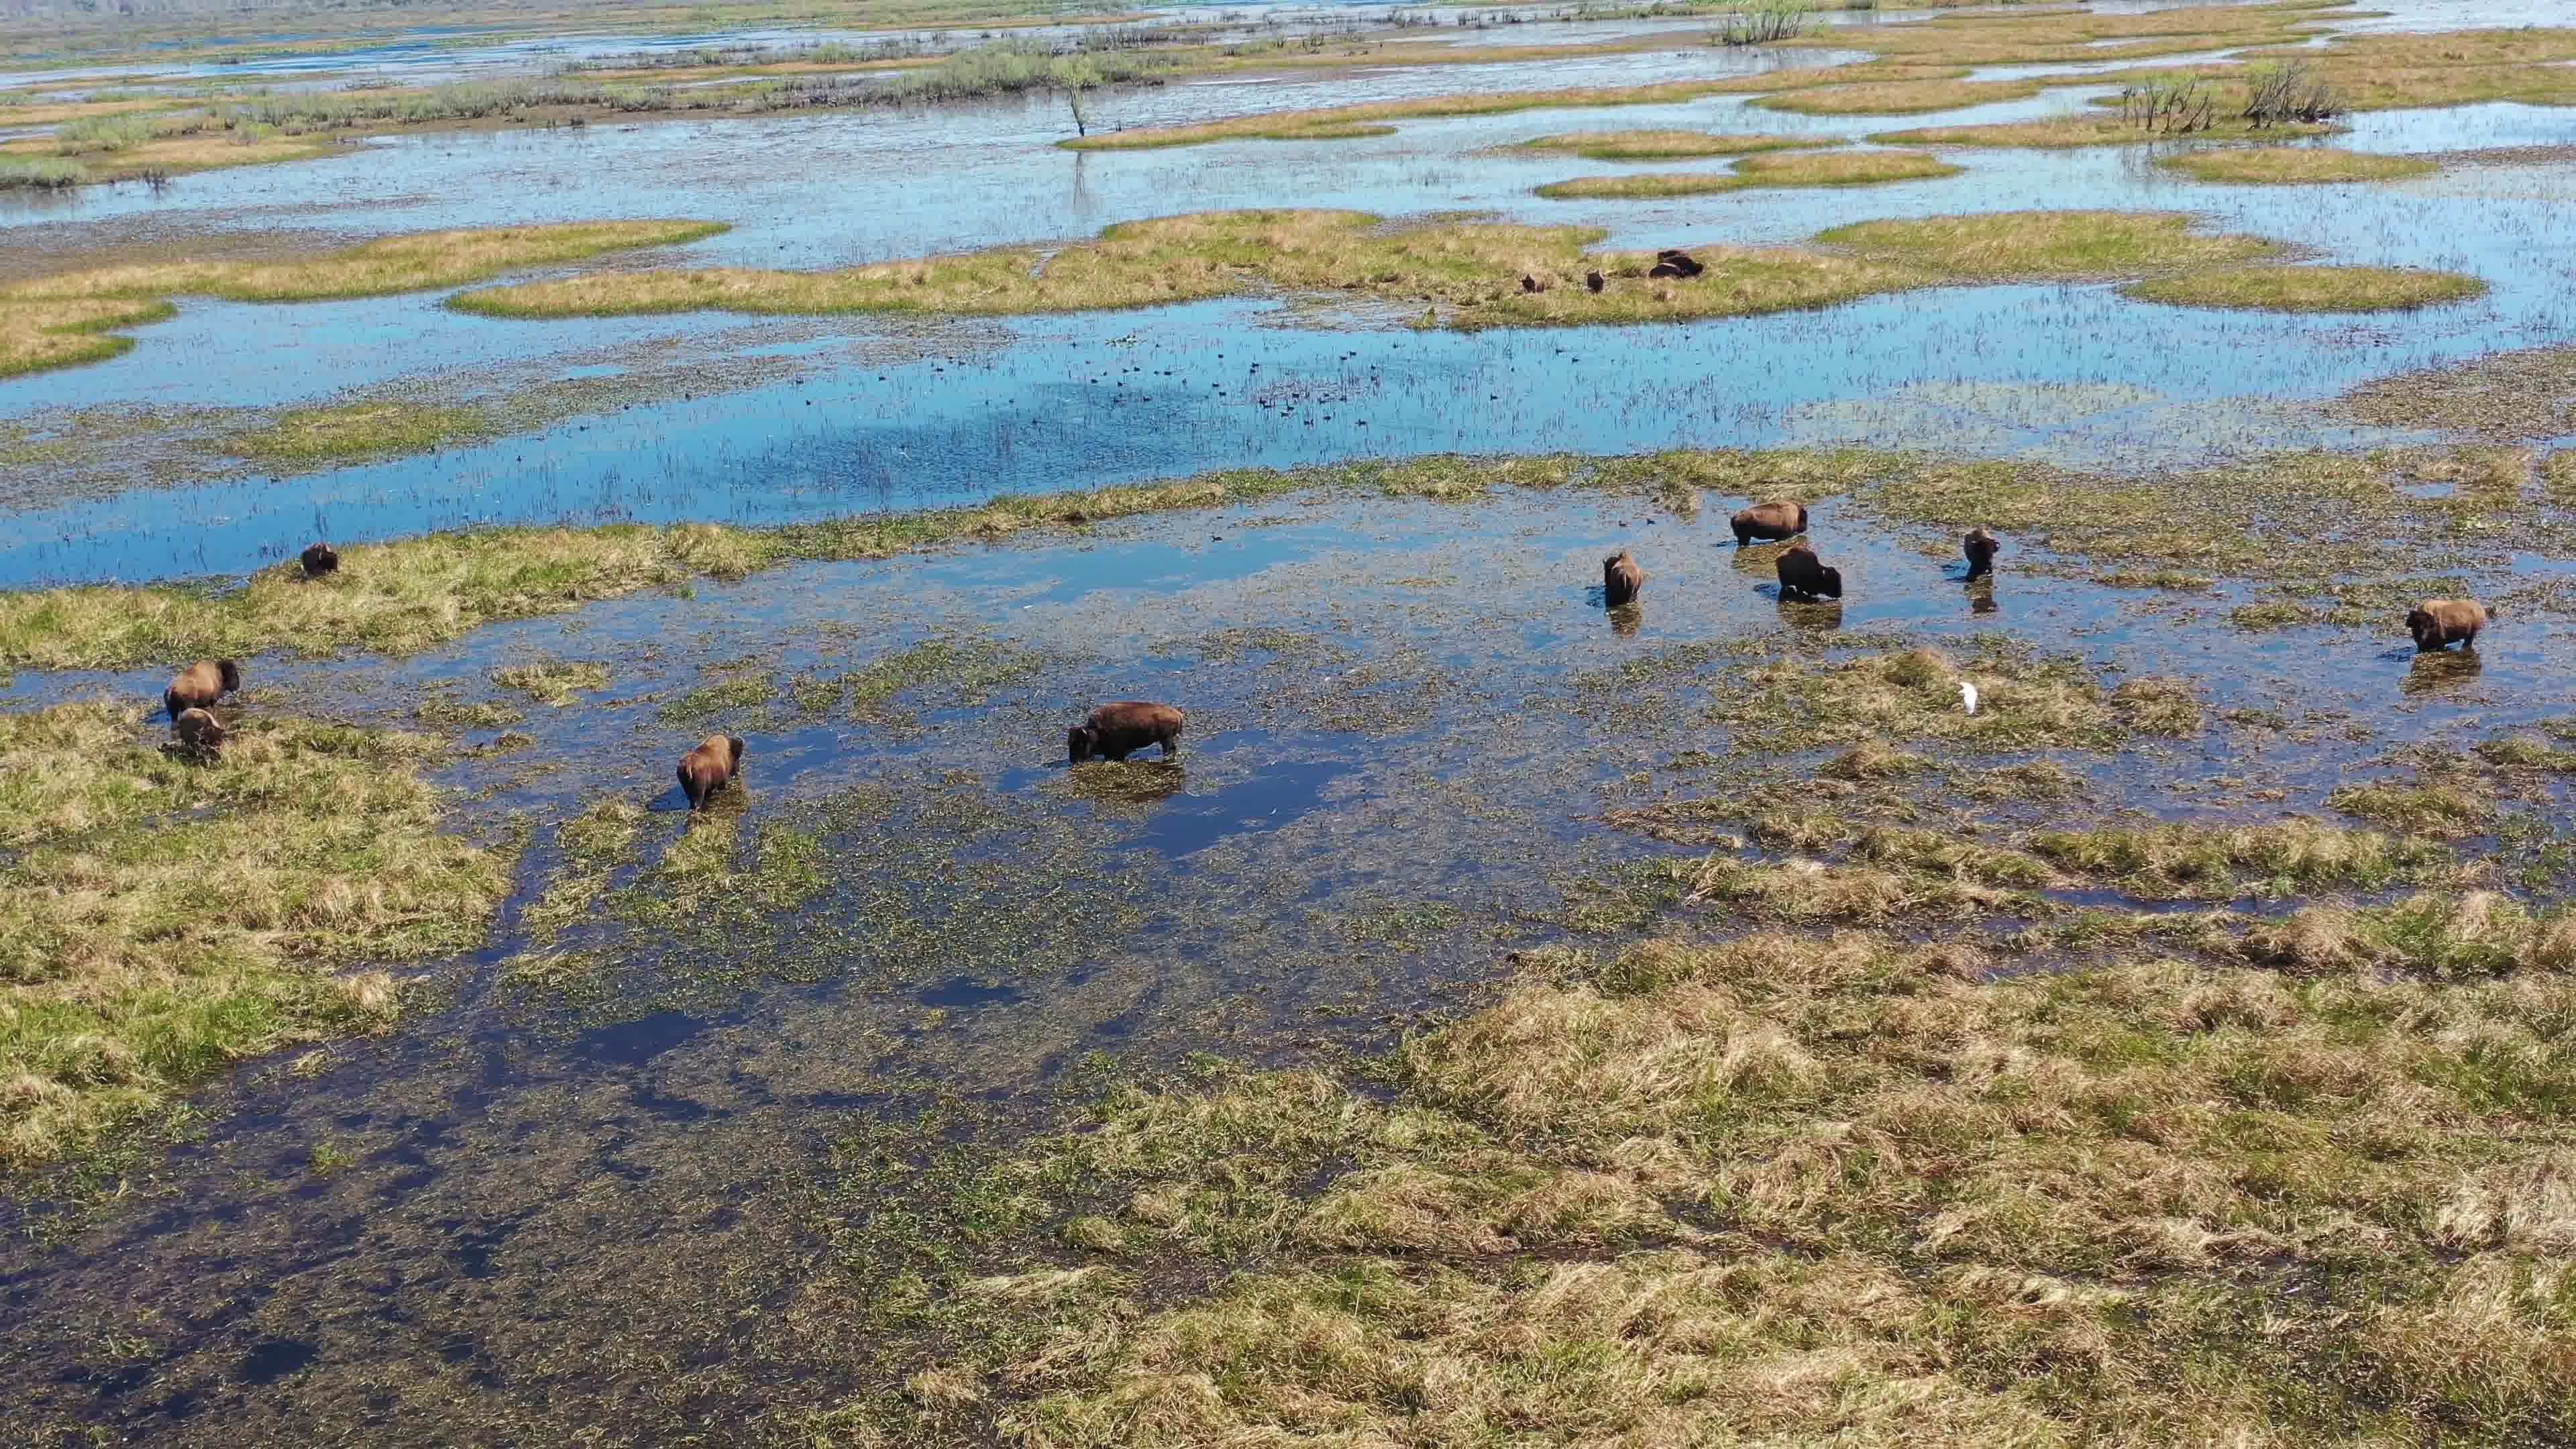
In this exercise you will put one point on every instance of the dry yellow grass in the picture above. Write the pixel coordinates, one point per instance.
(406, 263)
(1667, 145)
(161, 919)
(2291, 165)
(38, 335)
(2047, 243)
(1896, 98)
(1821, 168)
(1468, 272)
(54, 113)
(2077, 35)
(178, 155)
(2309, 289)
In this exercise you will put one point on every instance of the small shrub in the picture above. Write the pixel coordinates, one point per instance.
(1764, 21)
(39, 173)
(2168, 107)
(2288, 93)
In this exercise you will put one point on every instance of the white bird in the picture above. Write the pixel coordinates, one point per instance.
(1968, 695)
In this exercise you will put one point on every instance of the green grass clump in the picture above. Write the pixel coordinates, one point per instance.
(2309, 288)
(2063, 131)
(1669, 145)
(552, 681)
(348, 432)
(161, 919)
(39, 173)
(2046, 243)
(1469, 272)
(2218, 863)
(2437, 808)
(1819, 168)
(2024, 702)
(2294, 165)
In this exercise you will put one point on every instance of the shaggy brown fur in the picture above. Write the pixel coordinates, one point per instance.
(2438, 623)
(199, 732)
(1593, 281)
(1671, 263)
(1801, 574)
(1621, 579)
(710, 767)
(199, 685)
(320, 559)
(1980, 547)
(1777, 519)
(1534, 284)
(1119, 730)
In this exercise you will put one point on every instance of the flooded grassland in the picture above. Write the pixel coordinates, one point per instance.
(2121, 999)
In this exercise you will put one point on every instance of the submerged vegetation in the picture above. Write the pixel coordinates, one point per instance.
(165, 917)
(352, 431)
(2308, 289)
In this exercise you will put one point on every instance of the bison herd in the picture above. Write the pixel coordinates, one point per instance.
(1115, 731)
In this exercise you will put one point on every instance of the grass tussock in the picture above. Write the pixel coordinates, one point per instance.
(2520, 394)
(2309, 288)
(164, 918)
(2047, 243)
(409, 263)
(1834, 1188)
(1473, 270)
(1822, 168)
(348, 432)
(2024, 702)
(2219, 863)
(1668, 145)
(2293, 165)
(38, 335)
(1897, 98)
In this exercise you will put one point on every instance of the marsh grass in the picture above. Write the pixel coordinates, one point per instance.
(2293, 165)
(1371, 118)
(1896, 98)
(347, 432)
(1822, 168)
(1471, 269)
(2024, 702)
(38, 335)
(1669, 145)
(2218, 863)
(551, 682)
(175, 155)
(2047, 243)
(2518, 394)
(1839, 1187)
(164, 918)
(2308, 288)
(2435, 807)
(413, 262)
(39, 173)
(2053, 132)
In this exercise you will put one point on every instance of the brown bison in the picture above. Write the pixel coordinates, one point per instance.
(1593, 281)
(320, 559)
(200, 685)
(2439, 623)
(1672, 263)
(1621, 579)
(1803, 576)
(1769, 521)
(1980, 547)
(199, 732)
(1534, 284)
(714, 764)
(1115, 731)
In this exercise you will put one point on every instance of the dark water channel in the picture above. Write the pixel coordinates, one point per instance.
(539, 1210)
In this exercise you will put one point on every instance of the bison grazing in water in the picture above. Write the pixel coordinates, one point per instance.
(200, 684)
(714, 764)
(1803, 576)
(1769, 521)
(1116, 731)
(2439, 623)
(1621, 579)
(1980, 547)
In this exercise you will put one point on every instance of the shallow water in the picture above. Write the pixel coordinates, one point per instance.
(1397, 756)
